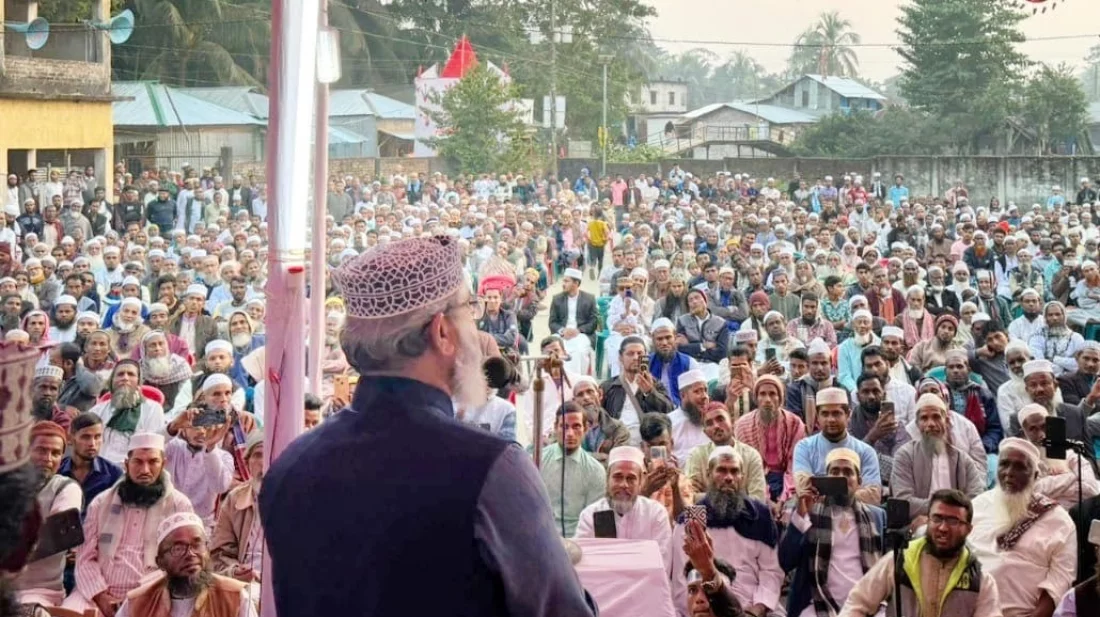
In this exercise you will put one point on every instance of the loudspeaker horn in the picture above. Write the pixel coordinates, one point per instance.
(121, 26)
(36, 31)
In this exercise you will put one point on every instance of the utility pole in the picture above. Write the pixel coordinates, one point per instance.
(316, 345)
(605, 58)
(553, 88)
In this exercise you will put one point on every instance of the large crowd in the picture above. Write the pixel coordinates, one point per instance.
(749, 339)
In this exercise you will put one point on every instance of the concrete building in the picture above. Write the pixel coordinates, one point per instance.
(654, 109)
(55, 102)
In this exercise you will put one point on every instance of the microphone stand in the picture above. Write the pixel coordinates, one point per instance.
(536, 365)
(1082, 451)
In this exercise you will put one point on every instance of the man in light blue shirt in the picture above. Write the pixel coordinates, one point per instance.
(585, 477)
(833, 413)
(898, 193)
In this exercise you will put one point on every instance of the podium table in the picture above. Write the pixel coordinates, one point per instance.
(626, 577)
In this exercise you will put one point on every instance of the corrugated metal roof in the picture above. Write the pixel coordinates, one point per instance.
(773, 114)
(399, 134)
(151, 104)
(847, 87)
(338, 135)
(244, 99)
(390, 109)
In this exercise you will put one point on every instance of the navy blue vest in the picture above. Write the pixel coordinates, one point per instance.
(373, 512)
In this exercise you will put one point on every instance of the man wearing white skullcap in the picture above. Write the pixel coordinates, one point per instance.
(574, 317)
(833, 410)
(636, 517)
(1087, 295)
(687, 418)
(1076, 386)
(121, 527)
(126, 328)
(1057, 476)
(192, 324)
(667, 362)
(1031, 321)
(849, 354)
(200, 467)
(63, 324)
(411, 335)
(1023, 537)
(750, 548)
(127, 411)
(779, 341)
(186, 582)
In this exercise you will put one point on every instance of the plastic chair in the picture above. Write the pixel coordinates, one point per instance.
(603, 305)
(1092, 332)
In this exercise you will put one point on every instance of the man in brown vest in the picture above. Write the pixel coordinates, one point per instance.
(186, 583)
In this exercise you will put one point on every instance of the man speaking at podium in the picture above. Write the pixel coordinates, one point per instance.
(392, 507)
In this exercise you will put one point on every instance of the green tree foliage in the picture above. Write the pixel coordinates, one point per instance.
(710, 80)
(481, 132)
(1055, 106)
(961, 63)
(1090, 74)
(73, 11)
(861, 134)
(825, 48)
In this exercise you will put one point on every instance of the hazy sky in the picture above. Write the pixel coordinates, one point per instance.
(761, 24)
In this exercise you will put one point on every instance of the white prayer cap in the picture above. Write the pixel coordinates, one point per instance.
(1018, 345)
(198, 254)
(726, 270)
(745, 336)
(131, 280)
(862, 313)
(662, 322)
(574, 273)
(584, 379)
(156, 253)
(1029, 410)
(196, 289)
(893, 331)
(959, 267)
(65, 299)
(130, 301)
(773, 314)
(153, 441)
(218, 345)
(832, 396)
(180, 519)
(690, 378)
(980, 317)
(725, 452)
(86, 315)
(1029, 292)
(111, 250)
(843, 454)
(215, 379)
(1037, 366)
(642, 272)
(32, 263)
(1023, 446)
(49, 371)
(818, 346)
(158, 307)
(661, 263)
(626, 454)
(756, 246)
(929, 399)
(1093, 345)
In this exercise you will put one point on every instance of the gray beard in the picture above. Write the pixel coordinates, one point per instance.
(190, 587)
(725, 504)
(125, 398)
(158, 368)
(621, 506)
(933, 445)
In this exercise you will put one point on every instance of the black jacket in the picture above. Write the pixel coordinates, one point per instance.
(614, 396)
(1075, 386)
(587, 316)
(950, 302)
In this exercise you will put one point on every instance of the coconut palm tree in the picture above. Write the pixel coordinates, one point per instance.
(826, 48)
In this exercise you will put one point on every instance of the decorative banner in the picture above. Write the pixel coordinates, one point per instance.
(1037, 6)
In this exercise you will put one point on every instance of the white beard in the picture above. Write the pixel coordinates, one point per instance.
(242, 339)
(1012, 507)
(916, 314)
(158, 367)
(124, 327)
(468, 386)
(862, 339)
(621, 506)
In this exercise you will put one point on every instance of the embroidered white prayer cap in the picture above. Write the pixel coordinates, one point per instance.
(930, 400)
(818, 346)
(980, 317)
(216, 379)
(773, 314)
(628, 454)
(661, 263)
(196, 289)
(49, 371)
(1029, 410)
(832, 396)
(1037, 366)
(65, 299)
(746, 336)
(218, 345)
(130, 301)
(724, 452)
(843, 454)
(1022, 446)
(690, 378)
(574, 273)
(893, 331)
(152, 441)
(198, 254)
(17, 368)
(175, 521)
(662, 322)
(88, 315)
(862, 313)
(400, 277)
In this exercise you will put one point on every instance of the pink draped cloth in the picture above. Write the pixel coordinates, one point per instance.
(626, 577)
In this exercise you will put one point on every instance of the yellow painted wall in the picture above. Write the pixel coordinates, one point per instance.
(55, 125)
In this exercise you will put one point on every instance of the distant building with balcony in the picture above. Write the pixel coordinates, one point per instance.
(767, 126)
(654, 108)
(55, 102)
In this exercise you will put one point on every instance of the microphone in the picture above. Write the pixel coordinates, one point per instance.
(499, 373)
